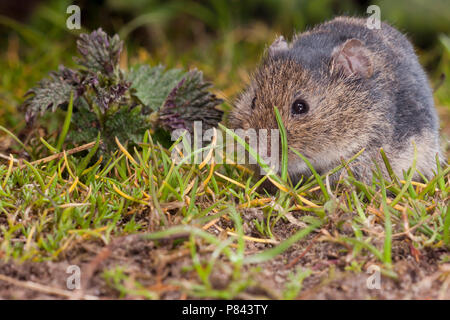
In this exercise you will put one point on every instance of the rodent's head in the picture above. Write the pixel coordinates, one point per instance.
(328, 113)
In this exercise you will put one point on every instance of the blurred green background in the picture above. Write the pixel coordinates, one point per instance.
(225, 39)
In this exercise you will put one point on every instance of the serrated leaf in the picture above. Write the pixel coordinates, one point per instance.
(50, 93)
(85, 125)
(99, 52)
(152, 85)
(127, 124)
(108, 91)
(119, 105)
(190, 101)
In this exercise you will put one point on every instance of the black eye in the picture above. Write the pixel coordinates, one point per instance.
(253, 103)
(299, 106)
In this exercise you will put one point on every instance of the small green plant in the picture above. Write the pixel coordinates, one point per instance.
(295, 283)
(118, 103)
(125, 285)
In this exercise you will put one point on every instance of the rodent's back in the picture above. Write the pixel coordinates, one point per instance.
(314, 47)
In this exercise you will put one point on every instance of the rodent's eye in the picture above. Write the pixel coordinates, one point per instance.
(253, 103)
(299, 106)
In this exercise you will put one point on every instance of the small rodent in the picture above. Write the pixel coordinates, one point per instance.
(341, 87)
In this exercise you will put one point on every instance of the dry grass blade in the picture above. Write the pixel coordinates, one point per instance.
(46, 289)
(61, 154)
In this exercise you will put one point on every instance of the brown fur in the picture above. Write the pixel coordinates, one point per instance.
(347, 112)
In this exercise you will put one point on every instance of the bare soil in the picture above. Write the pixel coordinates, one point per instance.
(164, 268)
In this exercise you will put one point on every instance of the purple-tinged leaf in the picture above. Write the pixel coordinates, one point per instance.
(99, 52)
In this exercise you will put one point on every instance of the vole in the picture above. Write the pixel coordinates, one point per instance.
(341, 87)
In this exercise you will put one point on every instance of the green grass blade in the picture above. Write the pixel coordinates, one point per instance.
(66, 125)
(315, 174)
(12, 135)
(284, 145)
(447, 227)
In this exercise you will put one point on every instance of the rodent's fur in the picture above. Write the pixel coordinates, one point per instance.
(367, 93)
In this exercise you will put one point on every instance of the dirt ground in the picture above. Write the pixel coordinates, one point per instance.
(161, 267)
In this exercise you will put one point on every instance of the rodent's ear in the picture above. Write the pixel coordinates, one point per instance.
(278, 45)
(353, 58)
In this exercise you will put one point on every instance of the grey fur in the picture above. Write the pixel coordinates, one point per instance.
(387, 104)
